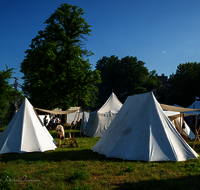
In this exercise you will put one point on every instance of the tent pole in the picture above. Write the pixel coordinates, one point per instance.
(196, 136)
(181, 123)
(196, 126)
(75, 117)
(76, 123)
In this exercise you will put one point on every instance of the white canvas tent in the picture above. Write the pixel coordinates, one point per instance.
(25, 133)
(85, 118)
(74, 116)
(99, 121)
(141, 131)
(176, 121)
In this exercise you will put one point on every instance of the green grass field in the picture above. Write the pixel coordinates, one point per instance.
(78, 168)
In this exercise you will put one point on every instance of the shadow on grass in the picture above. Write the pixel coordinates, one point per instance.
(58, 155)
(183, 183)
(64, 153)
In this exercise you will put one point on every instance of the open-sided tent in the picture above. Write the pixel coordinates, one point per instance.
(56, 112)
(76, 116)
(100, 120)
(25, 133)
(141, 131)
(175, 119)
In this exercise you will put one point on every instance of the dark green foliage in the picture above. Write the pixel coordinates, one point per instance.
(79, 175)
(126, 77)
(184, 85)
(7, 91)
(56, 70)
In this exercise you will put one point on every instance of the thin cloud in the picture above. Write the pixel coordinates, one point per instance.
(165, 52)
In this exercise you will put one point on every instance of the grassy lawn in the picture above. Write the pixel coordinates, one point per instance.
(79, 168)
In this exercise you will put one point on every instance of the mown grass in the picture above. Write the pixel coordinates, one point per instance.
(79, 168)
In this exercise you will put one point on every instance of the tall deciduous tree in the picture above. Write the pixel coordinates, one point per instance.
(56, 70)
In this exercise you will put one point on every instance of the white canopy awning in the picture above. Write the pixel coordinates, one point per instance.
(176, 109)
(70, 110)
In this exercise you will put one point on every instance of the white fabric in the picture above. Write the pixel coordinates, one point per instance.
(25, 133)
(99, 121)
(71, 116)
(187, 131)
(112, 105)
(85, 118)
(71, 110)
(141, 131)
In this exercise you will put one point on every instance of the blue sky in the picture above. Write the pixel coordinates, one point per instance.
(161, 33)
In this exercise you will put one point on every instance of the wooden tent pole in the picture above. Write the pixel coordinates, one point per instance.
(181, 131)
(196, 125)
(76, 123)
(196, 135)
(75, 117)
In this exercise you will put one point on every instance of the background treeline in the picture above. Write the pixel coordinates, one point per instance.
(57, 71)
(126, 76)
(183, 85)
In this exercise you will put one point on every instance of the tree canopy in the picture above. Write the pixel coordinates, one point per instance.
(184, 84)
(57, 72)
(126, 77)
(7, 91)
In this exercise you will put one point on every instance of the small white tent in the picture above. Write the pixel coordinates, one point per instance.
(25, 133)
(99, 121)
(141, 131)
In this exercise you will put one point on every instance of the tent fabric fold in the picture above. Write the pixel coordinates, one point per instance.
(25, 133)
(141, 131)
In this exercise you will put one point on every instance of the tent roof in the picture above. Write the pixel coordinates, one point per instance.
(71, 110)
(141, 131)
(111, 105)
(25, 133)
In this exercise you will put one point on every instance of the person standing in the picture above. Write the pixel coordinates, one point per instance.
(53, 123)
(45, 121)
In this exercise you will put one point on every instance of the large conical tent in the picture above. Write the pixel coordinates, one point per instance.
(99, 121)
(25, 133)
(141, 131)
